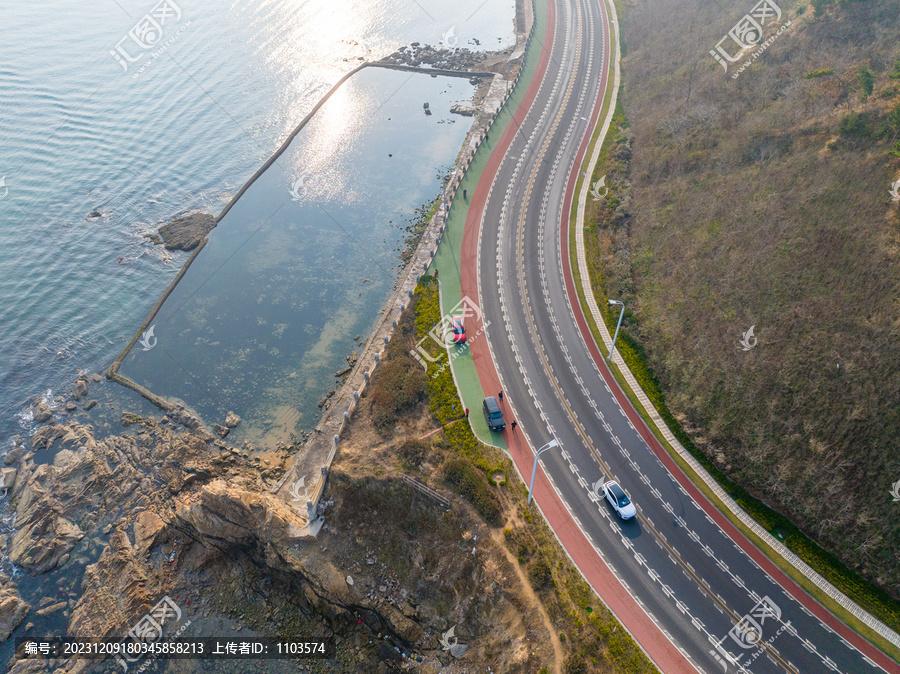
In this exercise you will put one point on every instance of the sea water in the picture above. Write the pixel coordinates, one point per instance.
(304, 261)
(78, 133)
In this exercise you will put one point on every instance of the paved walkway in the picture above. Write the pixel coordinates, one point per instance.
(468, 209)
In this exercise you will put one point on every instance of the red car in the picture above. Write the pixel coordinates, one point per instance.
(457, 330)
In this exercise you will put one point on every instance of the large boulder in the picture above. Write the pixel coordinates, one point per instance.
(12, 608)
(13, 455)
(187, 232)
(147, 528)
(7, 478)
(81, 389)
(224, 513)
(40, 412)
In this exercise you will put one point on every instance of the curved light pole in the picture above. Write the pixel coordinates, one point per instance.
(621, 313)
(553, 443)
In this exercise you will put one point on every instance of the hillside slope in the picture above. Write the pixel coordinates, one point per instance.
(763, 200)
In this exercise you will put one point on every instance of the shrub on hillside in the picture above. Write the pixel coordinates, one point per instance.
(398, 386)
(539, 574)
(469, 482)
(412, 453)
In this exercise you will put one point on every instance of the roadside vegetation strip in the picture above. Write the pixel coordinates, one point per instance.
(443, 395)
(854, 586)
(440, 428)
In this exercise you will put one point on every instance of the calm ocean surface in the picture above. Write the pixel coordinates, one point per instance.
(79, 133)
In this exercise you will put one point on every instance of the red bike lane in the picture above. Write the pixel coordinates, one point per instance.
(658, 647)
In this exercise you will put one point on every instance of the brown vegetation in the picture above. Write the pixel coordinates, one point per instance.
(763, 201)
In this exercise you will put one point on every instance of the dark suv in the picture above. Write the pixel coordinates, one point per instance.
(492, 414)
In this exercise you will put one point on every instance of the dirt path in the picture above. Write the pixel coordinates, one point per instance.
(558, 655)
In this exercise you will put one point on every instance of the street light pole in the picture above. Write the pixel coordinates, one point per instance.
(553, 443)
(621, 313)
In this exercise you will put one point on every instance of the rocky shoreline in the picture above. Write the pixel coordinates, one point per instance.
(167, 507)
(163, 510)
(160, 492)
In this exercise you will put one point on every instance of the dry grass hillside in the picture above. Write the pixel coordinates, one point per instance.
(763, 200)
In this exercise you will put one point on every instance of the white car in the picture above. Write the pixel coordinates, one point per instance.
(619, 500)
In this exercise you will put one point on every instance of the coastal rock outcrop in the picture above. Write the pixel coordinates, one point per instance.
(437, 57)
(12, 608)
(186, 233)
(464, 110)
(89, 479)
(229, 514)
(42, 535)
(116, 590)
(232, 420)
(40, 412)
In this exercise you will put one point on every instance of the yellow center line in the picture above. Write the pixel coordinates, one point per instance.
(704, 587)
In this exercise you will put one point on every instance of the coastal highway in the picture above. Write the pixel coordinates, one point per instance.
(716, 601)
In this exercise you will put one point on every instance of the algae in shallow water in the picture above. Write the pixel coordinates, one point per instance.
(298, 261)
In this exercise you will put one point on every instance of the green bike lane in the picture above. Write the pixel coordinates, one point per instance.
(483, 167)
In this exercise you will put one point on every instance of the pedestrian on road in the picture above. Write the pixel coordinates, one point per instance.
(514, 424)
(467, 413)
(500, 395)
(464, 194)
(435, 273)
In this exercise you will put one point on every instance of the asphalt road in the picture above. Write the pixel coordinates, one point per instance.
(707, 594)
